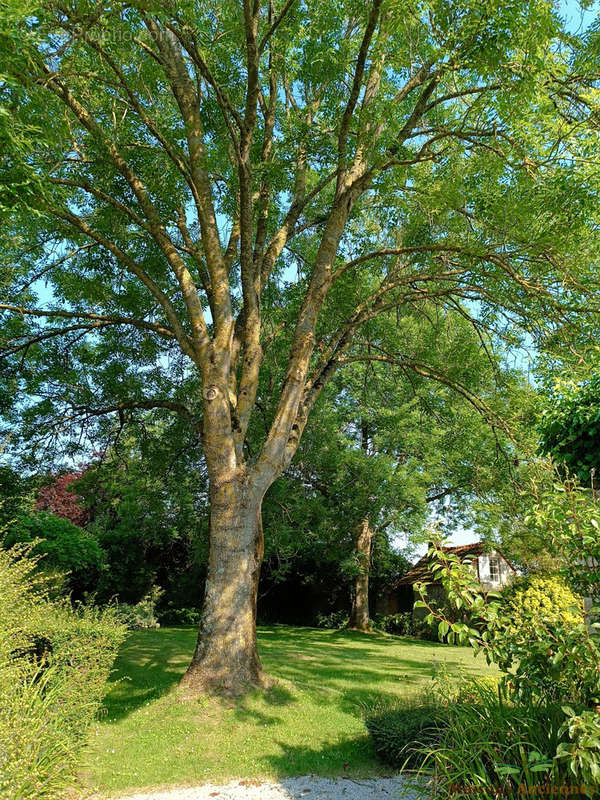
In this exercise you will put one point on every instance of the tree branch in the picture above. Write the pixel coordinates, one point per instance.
(83, 227)
(274, 25)
(108, 320)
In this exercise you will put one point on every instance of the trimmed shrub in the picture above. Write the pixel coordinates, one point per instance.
(402, 731)
(54, 662)
(405, 624)
(397, 624)
(179, 616)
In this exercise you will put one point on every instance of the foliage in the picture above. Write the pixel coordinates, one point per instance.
(59, 497)
(146, 500)
(66, 548)
(541, 600)
(551, 660)
(182, 190)
(500, 185)
(309, 723)
(54, 663)
(493, 747)
(403, 730)
(334, 621)
(570, 426)
(569, 516)
(480, 743)
(15, 495)
(406, 445)
(145, 520)
(143, 614)
(552, 657)
(580, 752)
(406, 624)
(401, 624)
(171, 615)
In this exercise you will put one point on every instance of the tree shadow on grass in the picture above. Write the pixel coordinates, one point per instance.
(352, 758)
(353, 670)
(149, 664)
(275, 697)
(347, 669)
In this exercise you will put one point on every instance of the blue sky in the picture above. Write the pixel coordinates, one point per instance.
(575, 18)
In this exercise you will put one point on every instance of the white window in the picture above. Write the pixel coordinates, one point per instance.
(494, 570)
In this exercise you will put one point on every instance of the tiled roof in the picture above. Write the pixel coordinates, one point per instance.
(420, 571)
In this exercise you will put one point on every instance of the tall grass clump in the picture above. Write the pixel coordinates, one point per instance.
(493, 747)
(54, 661)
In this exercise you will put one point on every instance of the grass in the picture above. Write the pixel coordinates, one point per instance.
(309, 723)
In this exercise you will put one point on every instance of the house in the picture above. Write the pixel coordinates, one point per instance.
(493, 571)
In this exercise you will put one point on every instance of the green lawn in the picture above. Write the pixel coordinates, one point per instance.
(310, 722)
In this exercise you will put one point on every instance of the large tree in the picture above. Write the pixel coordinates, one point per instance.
(184, 185)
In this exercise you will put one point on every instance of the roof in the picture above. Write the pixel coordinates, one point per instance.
(421, 572)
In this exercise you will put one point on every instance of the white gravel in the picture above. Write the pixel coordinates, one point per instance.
(309, 787)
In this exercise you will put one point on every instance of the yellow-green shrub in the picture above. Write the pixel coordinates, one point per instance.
(546, 601)
(54, 662)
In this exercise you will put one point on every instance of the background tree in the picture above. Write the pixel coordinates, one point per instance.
(390, 448)
(16, 493)
(570, 426)
(194, 185)
(68, 553)
(147, 499)
(563, 438)
(71, 555)
(60, 497)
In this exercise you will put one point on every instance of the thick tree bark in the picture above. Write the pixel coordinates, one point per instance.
(226, 656)
(359, 615)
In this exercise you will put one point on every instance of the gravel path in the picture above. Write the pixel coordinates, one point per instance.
(309, 787)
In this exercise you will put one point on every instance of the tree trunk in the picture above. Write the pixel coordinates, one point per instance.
(359, 615)
(226, 656)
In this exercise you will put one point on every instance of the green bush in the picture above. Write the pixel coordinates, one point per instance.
(401, 732)
(335, 620)
(142, 615)
(54, 662)
(551, 666)
(16, 495)
(405, 624)
(65, 547)
(398, 624)
(179, 616)
(580, 747)
(549, 661)
(542, 643)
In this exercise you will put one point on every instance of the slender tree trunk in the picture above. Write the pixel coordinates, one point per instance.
(226, 656)
(359, 615)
